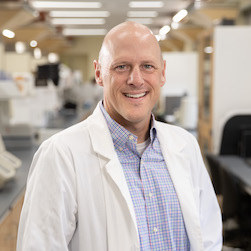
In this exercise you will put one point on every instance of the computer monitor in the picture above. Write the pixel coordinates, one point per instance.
(45, 72)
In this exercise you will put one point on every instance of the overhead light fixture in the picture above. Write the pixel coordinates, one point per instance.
(8, 33)
(20, 47)
(83, 32)
(162, 36)
(53, 57)
(141, 20)
(146, 4)
(198, 4)
(33, 43)
(64, 4)
(208, 49)
(37, 53)
(157, 37)
(164, 30)
(77, 21)
(174, 25)
(142, 13)
(77, 13)
(180, 15)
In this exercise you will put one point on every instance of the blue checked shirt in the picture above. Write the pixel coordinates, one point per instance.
(158, 214)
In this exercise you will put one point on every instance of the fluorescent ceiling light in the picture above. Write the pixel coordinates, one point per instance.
(8, 33)
(141, 20)
(73, 13)
(157, 37)
(164, 30)
(162, 36)
(61, 21)
(83, 32)
(64, 4)
(20, 47)
(146, 4)
(198, 4)
(142, 13)
(33, 43)
(180, 15)
(174, 25)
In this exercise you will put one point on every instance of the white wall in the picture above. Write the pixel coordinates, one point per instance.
(88, 47)
(232, 76)
(14, 62)
(181, 73)
(35, 62)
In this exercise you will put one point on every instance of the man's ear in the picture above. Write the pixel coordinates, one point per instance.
(98, 73)
(163, 73)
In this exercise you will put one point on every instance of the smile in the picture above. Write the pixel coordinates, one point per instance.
(139, 95)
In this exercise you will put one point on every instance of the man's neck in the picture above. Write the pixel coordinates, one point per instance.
(141, 130)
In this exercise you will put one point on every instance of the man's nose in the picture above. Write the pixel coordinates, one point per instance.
(135, 77)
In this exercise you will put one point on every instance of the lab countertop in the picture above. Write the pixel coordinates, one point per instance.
(238, 168)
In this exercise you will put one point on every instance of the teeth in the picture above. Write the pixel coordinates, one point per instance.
(135, 95)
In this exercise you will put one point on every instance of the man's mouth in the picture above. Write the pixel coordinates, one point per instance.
(139, 95)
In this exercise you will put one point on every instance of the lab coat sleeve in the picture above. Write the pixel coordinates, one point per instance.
(209, 210)
(48, 217)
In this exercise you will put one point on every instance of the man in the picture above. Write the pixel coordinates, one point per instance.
(120, 180)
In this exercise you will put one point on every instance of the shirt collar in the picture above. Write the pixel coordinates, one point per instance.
(119, 134)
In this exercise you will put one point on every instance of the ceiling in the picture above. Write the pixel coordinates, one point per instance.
(29, 22)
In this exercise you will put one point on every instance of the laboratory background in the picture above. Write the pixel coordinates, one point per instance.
(47, 84)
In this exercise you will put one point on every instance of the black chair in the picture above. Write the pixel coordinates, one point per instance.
(236, 140)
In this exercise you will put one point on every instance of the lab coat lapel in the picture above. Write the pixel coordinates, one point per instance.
(179, 169)
(103, 146)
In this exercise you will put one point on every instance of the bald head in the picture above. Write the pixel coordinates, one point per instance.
(131, 70)
(127, 31)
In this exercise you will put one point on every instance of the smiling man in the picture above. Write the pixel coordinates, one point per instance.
(120, 180)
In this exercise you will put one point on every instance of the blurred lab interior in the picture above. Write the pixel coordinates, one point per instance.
(47, 84)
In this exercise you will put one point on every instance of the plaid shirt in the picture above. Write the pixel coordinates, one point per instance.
(158, 214)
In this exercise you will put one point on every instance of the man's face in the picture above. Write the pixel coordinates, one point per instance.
(131, 72)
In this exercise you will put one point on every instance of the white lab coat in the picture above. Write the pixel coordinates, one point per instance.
(77, 197)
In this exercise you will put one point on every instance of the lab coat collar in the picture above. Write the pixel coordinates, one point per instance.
(103, 145)
(100, 135)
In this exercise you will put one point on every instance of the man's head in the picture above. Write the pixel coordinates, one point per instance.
(131, 70)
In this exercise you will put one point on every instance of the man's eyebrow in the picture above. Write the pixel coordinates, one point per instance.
(118, 62)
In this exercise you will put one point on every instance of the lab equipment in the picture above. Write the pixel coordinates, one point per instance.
(16, 133)
(8, 164)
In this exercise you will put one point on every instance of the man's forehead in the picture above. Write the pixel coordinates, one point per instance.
(129, 36)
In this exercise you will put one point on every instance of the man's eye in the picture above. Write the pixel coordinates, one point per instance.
(121, 67)
(148, 66)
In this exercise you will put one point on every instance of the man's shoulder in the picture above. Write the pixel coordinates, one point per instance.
(69, 136)
(174, 129)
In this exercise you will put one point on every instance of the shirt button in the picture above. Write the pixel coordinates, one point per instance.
(131, 137)
(150, 195)
(155, 229)
(120, 149)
